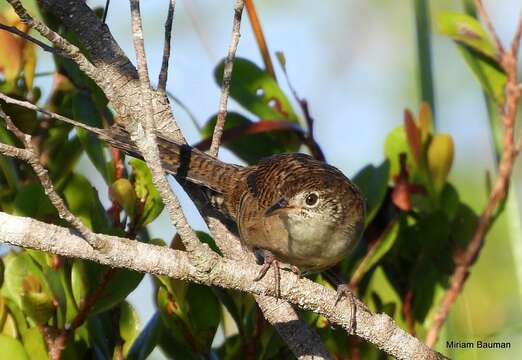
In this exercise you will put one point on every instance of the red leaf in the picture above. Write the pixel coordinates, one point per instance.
(413, 134)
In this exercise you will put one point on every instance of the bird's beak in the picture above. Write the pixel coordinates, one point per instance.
(281, 204)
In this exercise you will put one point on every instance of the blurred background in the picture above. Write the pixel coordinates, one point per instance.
(356, 64)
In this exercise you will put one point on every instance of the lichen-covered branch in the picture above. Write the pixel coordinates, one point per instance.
(30, 155)
(227, 77)
(379, 329)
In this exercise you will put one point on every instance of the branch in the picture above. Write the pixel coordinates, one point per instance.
(302, 340)
(30, 155)
(124, 89)
(162, 81)
(515, 44)
(143, 134)
(115, 74)
(227, 76)
(508, 61)
(379, 329)
(52, 115)
(484, 15)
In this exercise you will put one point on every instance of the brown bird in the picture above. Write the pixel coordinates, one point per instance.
(302, 211)
(296, 209)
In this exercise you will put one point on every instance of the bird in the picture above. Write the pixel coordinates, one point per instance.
(293, 208)
(298, 210)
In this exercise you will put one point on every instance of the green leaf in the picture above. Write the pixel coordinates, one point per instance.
(122, 192)
(373, 182)
(425, 278)
(249, 147)
(467, 30)
(209, 240)
(488, 72)
(24, 119)
(2, 268)
(129, 326)
(34, 343)
(204, 313)
(54, 279)
(87, 276)
(463, 225)
(257, 91)
(384, 245)
(39, 257)
(62, 161)
(395, 144)
(79, 281)
(31, 201)
(119, 287)
(147, 339)
(146, 192)
(82, 200)
(36, 303)
(64, 275)
(12, 348)
(227, 300)
(440, 159)
(16, 316)
(17, 268)
(9, 326)
(191, 319)
(3, 312)
(84, 110)
(449, 201)
(100, 329)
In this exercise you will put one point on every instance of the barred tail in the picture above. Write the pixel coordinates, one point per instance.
(182, 161)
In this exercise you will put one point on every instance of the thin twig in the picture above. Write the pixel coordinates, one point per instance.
(508, 62)
(515, 44)
(145, 138)
(52, 115)
(106, 10)
(162, 81)
(14, 30)
(30, 155)
(260, 37)
(227, 76)
(484, 15)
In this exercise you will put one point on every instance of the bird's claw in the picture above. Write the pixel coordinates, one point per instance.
(270, 260)
(343, 290)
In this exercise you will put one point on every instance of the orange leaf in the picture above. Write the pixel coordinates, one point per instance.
(425, 121)
(12, 49)
(412, 134)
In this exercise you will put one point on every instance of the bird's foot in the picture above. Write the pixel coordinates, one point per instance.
(296, 271)
(343, 290)
(270, 261)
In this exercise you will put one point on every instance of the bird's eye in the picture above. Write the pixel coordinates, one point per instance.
(311, 199)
